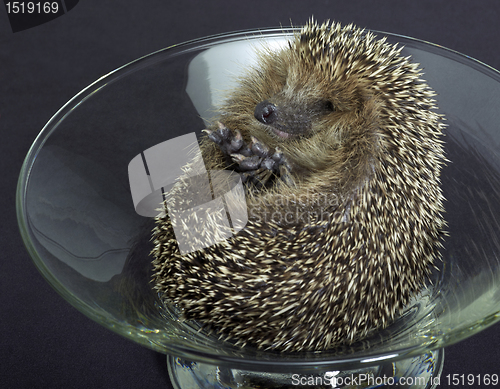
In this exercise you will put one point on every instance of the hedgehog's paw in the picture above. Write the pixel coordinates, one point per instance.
(258, 168)
(256, 162)
(230, 142)
(264, 164)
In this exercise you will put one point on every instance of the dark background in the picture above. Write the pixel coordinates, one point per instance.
(44, 342)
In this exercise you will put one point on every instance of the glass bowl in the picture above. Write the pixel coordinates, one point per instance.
(78, 217)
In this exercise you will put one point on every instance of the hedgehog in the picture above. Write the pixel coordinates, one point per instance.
(339, 147)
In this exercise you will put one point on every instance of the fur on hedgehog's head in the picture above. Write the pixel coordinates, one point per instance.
(324, 98)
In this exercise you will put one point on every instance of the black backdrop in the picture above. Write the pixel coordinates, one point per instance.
(44, 342)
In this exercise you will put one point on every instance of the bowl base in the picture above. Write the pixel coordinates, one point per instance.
(422, 372)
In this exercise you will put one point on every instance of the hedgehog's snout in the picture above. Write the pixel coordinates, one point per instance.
(265, 112)
(269, 114)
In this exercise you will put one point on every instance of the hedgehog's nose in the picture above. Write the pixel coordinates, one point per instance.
(265, 112)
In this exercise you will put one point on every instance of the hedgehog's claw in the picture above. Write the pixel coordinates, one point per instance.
(278, 155)
(236, 143)
(285, 171)
(263, 177)
(247, 163)
(257, 178)
(224, 132)
(259, 148)
(213, 136)
(286, 177)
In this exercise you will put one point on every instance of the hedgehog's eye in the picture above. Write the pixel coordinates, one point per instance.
(329, 106)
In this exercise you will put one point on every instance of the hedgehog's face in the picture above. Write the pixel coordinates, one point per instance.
(297, 99)
(291, 99)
